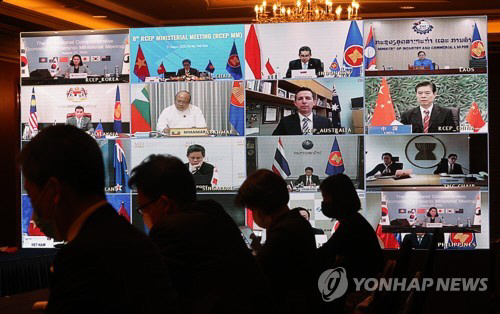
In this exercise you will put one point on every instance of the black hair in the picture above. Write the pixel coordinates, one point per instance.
(71, 61)
(305, 48)
(303, 89)
(79, 107)
(68, 154)
(387, 154)
(421, 52)
(452, 155)
(309, 168)
(426, 83)
(429, 212)
(264, 190)
(186, 60)
(342, 191)
(196, 148)
(303, 210)
(165, 175)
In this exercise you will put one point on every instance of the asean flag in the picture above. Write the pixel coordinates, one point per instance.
(353, 50)
(477, 50)
(117, 126)
(233, 63)
(335, 164)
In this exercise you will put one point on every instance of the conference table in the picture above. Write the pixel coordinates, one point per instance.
(420, 180)
(424, 72)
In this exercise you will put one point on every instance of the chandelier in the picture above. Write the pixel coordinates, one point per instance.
(310, 11)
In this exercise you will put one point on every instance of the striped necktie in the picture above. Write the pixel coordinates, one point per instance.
(305, 126)
(426, 121)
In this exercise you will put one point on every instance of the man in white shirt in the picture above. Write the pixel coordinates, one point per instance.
(181, 115)
(80, 121)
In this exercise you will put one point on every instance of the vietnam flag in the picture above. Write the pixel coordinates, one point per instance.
(141, 113)
(384, 109)
(474, 117)
(141, 66)
(161, 69)
(252, 53)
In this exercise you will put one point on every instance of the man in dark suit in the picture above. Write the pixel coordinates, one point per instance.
(305, 62)
(80, 120)
(106, 260)
(419, 240)
(201, 243)
(450, 167)
(387, 168)
(304, 122)
(196, 165)
(428, 117)
(308, 179)
(187, 70)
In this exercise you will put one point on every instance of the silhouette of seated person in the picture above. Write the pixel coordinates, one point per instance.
(288, 257)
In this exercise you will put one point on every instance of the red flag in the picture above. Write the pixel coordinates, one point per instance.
(384, 110)
(269, 68)
(474, 117)
(141, 66)
(252, 53)
(161, 69)
(123, 212)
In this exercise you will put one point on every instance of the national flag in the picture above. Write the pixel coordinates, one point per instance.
(389, 240)
(335, 67)
(269, 69)
(353, 50)
(63, 59)
(126, 58)
(413, 216)
(43, 60)
(123, 212)
(233, 63)
(141, 66)
(210, 67)
(237, 109)
(477, 210)
(477, 50)
(161, 69)
(449, 210)
(421, 210)
(252, 53)
(95, 58)
(370, 52)
(85, 59)
(280, 163)
(120, 165)
(99, 131)
(459, 211)
(335, 164)
(215, 178)
(402, 210)
(462, 241)
(54, 68)
(33, 116)
(440, 210)
(117, 126)
(25, 72)
(34, 231)
(141, 113)
(474, 117)
(383, 114)
(105, 58)
(336, 108)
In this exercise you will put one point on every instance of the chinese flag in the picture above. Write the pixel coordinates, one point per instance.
(141, 66)
(384, 110)
(252, 53)
(474, 117)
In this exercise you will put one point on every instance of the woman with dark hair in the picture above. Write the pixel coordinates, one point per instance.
(76, 66)
(288, 257)
(354, 242)
(433, 216)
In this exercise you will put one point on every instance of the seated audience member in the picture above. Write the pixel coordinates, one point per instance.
(308, 179)
(354, 240)
(187, 70)
(202, 245)
(107, 266)
(387, 168)
(305, 62)
(305, 213)
(422, 61)
(181, 115)
(80, 120)
(450, 167)
(288, 257)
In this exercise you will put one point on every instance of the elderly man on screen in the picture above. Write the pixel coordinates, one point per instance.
(181, 115)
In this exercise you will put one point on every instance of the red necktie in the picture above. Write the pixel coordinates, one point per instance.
(426, 121)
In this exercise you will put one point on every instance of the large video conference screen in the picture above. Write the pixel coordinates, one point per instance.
(400, 106)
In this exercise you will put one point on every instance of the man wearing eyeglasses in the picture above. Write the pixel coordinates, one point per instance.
(181, 115)
(305, 62)
(450, 167)
(201, 243)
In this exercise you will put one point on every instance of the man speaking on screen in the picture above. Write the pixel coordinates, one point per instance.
(181, 115)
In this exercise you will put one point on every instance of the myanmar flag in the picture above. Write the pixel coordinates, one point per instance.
(141, 114)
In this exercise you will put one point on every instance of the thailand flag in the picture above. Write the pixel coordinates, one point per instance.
(118, 112)
(335, 164)
(353, 50)
(280, 164)
(370, 52)
(33, 116)
(120, 165)
(233, 64)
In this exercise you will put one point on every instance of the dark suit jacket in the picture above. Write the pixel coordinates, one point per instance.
(440, 117)
(312, 64)
(289, 259)
(110, 267)
(443, 168)
(302, 179)
(206, 169)
(192, 71)
(425, 242)
(209, 261)
(291, 125)
(381, 167)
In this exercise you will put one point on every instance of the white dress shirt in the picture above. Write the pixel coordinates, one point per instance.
(171, 117)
